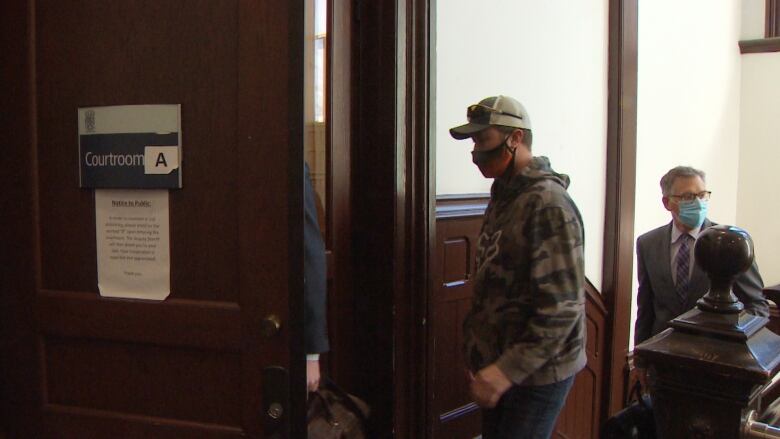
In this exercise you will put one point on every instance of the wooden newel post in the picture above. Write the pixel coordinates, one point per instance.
(706, 372)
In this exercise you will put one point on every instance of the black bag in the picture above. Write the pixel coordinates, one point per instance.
(633, 422)
(333, 413)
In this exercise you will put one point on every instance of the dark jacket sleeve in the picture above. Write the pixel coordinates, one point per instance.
(645, 315)
(749, 290)
(315, 273)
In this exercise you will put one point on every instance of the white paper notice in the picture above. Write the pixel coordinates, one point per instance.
(133, 243)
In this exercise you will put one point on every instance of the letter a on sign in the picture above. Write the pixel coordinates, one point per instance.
(160, 159)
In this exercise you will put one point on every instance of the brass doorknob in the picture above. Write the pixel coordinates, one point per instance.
(270, 326)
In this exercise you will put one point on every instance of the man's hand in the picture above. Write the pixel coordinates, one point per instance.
(487, 386)
(312, 375)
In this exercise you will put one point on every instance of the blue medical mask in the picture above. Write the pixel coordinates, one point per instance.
(692, 213)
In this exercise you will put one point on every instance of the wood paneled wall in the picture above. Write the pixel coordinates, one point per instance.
(451, 413)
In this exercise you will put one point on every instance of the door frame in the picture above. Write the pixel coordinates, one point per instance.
(395, 66)
(618, 270)
(17, 336)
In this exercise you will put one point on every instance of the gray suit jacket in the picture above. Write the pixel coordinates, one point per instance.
(658, 302)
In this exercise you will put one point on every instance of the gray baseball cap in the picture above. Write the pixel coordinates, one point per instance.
(495, 110)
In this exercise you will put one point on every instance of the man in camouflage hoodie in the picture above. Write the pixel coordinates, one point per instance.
(525, 334)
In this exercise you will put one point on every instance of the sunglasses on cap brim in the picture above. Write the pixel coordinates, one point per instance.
(481, 114)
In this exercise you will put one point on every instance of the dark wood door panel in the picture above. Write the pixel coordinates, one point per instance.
(581, 415)
(449, 379)
(141, 379)
(457, 260)
(174, 322)
(67, 422)
(189, 366)
(452, 414)
(579, 418)
(92, 53)
(466, 424)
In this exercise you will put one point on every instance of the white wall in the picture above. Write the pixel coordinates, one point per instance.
(552, 57)
(688, 103)
(752, 19)
(758, 207)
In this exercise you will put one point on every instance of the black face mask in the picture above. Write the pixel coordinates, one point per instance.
(482, 157)
(493, 163)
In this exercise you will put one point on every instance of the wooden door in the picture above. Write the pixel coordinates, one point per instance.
(76, 365)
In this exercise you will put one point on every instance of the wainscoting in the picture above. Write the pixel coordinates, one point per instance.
(452, 414)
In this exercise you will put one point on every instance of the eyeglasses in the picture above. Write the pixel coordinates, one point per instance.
(690, 196)
(481, 113)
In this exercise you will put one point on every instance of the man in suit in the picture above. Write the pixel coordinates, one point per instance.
(314, 285)
(670, 282)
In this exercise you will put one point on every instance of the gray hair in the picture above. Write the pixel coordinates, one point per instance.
(679, 171)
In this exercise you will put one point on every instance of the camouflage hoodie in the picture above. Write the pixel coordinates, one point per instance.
(528, 312)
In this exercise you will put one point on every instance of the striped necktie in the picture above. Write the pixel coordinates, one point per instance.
(682, 263)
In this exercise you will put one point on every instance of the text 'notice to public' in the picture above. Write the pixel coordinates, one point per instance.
(133, 249)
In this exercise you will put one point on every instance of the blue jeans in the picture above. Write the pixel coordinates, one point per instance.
(526, 412)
